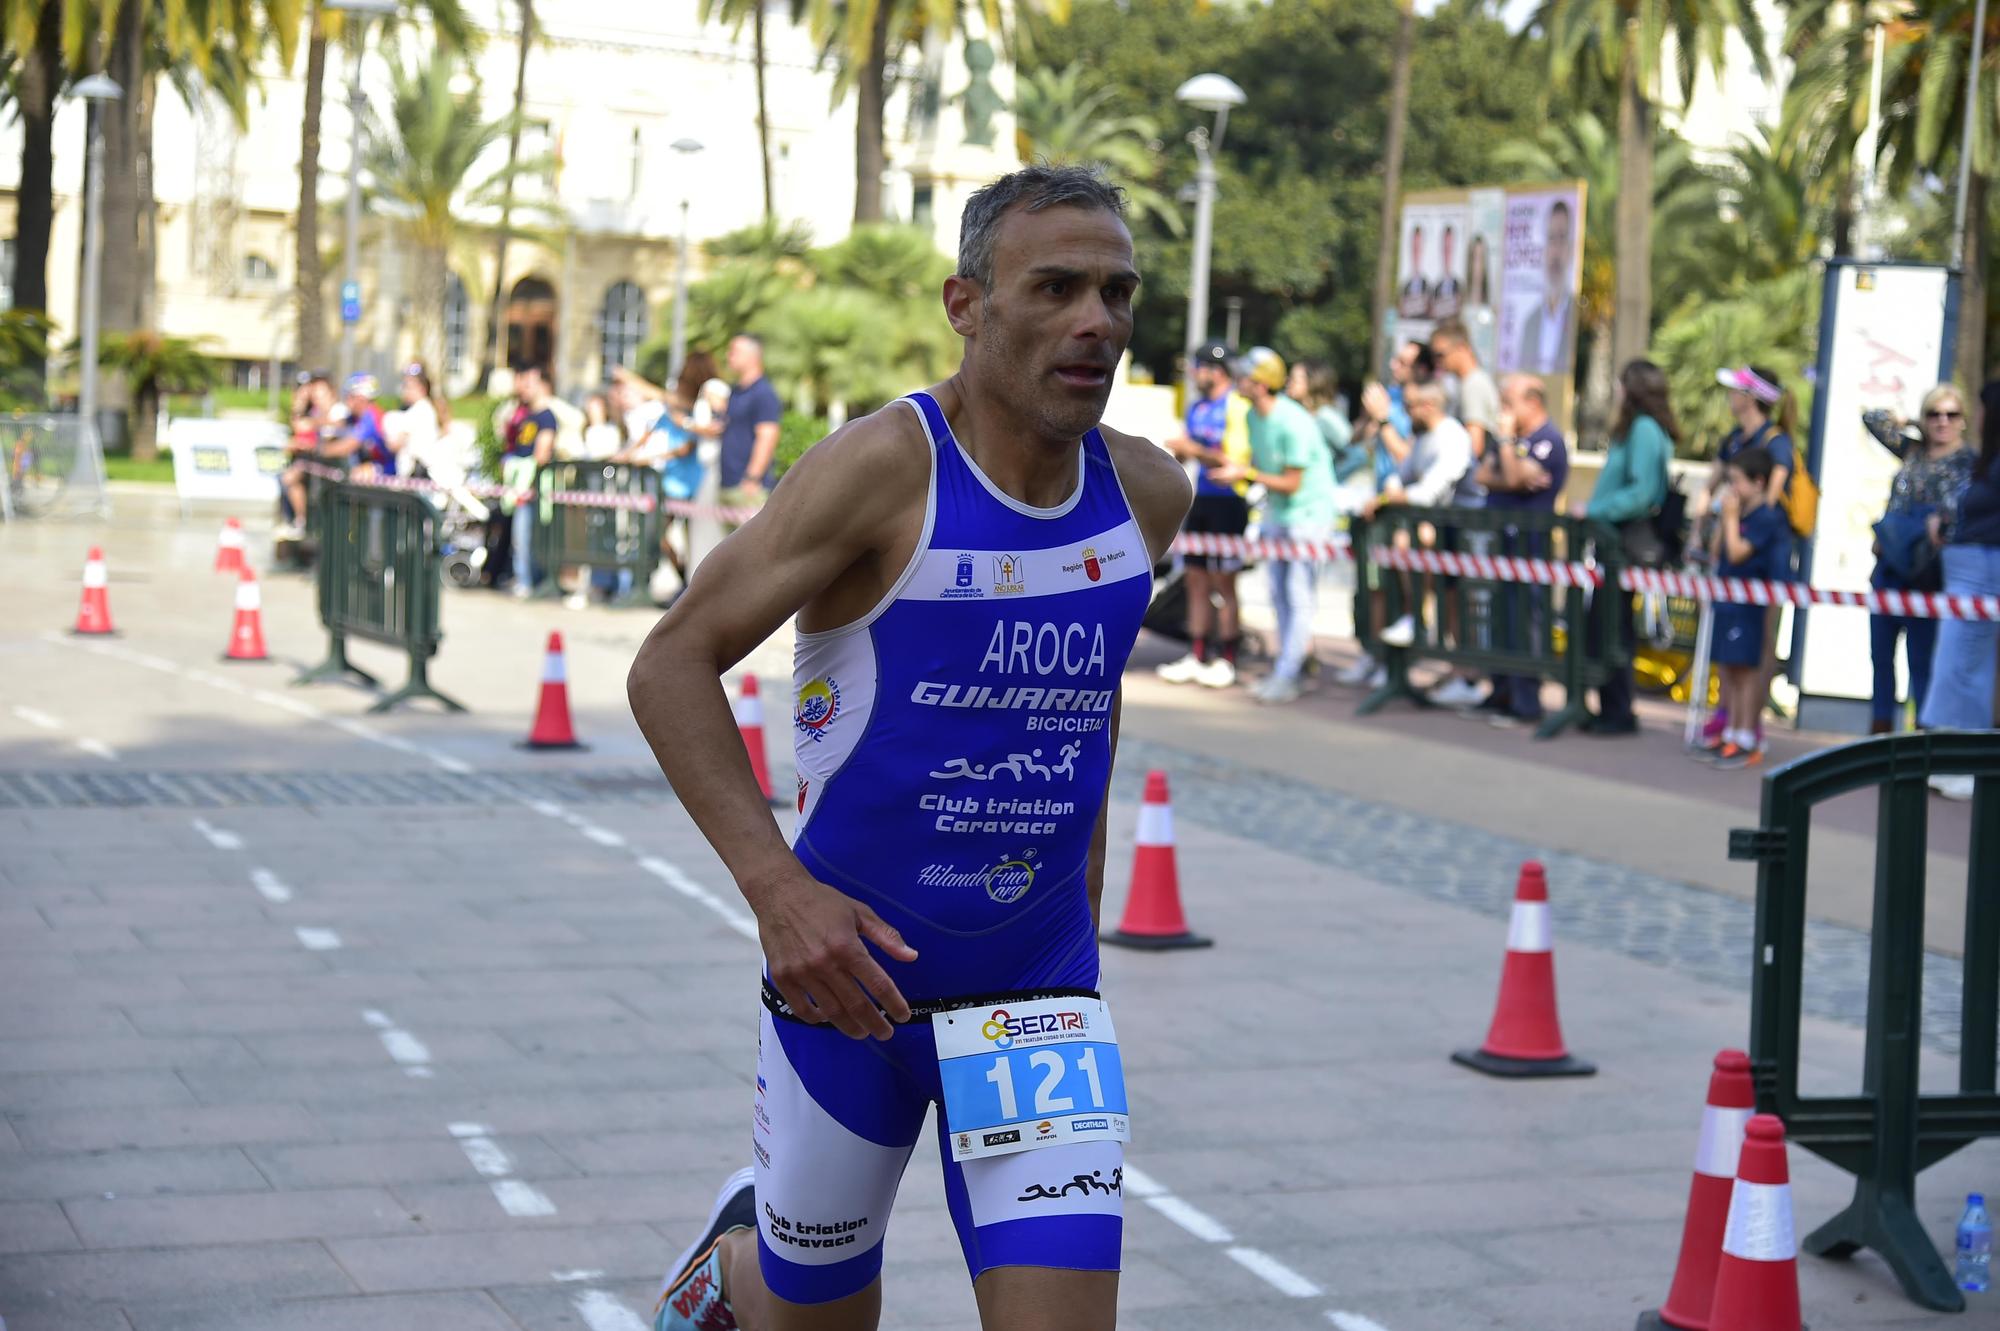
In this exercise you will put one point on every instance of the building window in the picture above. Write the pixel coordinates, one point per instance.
(621, 325)
(258, 270)
(457, 325)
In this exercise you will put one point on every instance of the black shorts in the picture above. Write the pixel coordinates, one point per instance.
(1217, 515)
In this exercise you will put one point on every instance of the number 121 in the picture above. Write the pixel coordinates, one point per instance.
(1001, 1074)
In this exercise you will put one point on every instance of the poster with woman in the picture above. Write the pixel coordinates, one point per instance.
(1540, 277)
(1486, 212)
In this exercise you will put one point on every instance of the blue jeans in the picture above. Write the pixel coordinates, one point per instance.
(1961, 692)
(1919, 643)
(524, 544)
(1294, 595)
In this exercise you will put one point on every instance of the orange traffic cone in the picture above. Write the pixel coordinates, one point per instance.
(552, 728)
(1757, 1280)
(1153, 919)
(1731, 1100)
(246, 640)
(94, 615)
(750, 724)
(1525, 1039)
(229, 548)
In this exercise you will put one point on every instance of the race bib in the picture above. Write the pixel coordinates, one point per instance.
(1018, 1076)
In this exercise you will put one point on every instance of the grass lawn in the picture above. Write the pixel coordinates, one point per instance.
(159, 471)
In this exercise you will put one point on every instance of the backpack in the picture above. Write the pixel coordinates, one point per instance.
(1801, 502)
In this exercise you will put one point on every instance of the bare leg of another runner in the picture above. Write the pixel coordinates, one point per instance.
(1226, 621)
(1200, 611)
(1040, 1298)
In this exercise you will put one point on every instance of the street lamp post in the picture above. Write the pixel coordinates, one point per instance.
(677, 349)
(88, 473)
(359, 12)
(1216, 93)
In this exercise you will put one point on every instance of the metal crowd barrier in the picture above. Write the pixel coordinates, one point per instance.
(1890, 1131)
(1564, 634)
(380, 577)
(609, 539)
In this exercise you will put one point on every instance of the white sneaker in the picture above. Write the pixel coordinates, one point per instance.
(1359, 673)
(1953, 787)
(1217, 674)
(1402, 633)
(1456, 692)
(1275, 690)
(1184, 671)
(1380, 679)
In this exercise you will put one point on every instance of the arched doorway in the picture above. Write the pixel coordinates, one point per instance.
(531, 323)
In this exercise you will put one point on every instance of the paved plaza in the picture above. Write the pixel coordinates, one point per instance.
(317, 1019)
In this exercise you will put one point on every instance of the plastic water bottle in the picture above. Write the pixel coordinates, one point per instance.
(1975, 1246)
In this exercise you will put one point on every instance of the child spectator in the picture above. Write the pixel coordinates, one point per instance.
(1756, 543)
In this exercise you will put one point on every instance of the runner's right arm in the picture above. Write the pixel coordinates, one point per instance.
(837, 532)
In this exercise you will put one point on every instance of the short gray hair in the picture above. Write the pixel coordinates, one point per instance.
(1432, 393)
(1033, 188)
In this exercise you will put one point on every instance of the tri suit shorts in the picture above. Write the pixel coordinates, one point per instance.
(1226, 514)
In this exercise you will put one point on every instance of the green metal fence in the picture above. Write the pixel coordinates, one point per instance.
(621, 540)
(1564, 634)
(1890, 1131)
(380, 578)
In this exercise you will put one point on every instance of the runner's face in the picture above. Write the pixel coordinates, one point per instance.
(1049, 333)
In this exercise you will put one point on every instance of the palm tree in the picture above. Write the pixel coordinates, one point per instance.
(1061, 115)
(1392, 184)
(1582, 147)
(153, 364)
(424, 160)
(34, 30)
(1627, 41)
(453, 29)
(495, 308)
(1924, 66)
(734, 13)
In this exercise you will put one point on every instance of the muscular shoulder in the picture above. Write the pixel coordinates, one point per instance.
(1155, 486)
(874, 467)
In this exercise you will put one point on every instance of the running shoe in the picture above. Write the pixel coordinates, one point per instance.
(1184, 671)
(1958, 788)
(1734, 758)
(1217, 674)
(1275, 690)
(1456, 692)
(1380, 679)
(693, 1298)
(1402, 633)
(1707, 753)
(1359, 673)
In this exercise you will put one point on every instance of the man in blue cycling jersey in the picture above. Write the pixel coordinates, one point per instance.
(968, 568)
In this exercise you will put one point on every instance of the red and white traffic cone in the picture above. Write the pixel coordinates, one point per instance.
(1153, 919)
(552, 728)
(1757, 1279)
(749, 709)
(229, 548)
(93, 616)
(246, 639)
(1732, 1098)
(1525, 1039)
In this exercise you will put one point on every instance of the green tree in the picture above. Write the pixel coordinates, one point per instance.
(426, 159)
(153, 364)
(1772, 322)
(1060, 116)
(1627, 42)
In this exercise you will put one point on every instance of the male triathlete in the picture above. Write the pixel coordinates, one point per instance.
(969, 567)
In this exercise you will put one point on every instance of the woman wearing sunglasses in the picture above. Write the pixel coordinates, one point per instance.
(1907, 542)
(1961, 691)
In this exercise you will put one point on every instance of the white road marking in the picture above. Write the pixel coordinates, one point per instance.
(217, 837)
(317, 940)
(97, 748)
(423, 1072)
(377, 1018)
(1348, 1321)
(285, 704)
(546, 808)
(1198, 1223)
(486, 1156)
(449, 763)
(405, 1048)
(515, 1197)
(268, 884)
(671, 875)
(603, 836)
(601, 1312)
(1274, 1273)
(572, 1277)
(1138, 1183)
(521, 1200)
(36, 717)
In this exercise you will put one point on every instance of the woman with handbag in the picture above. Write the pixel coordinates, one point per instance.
(1961, 691)
(1907, 550)
(1630, 491)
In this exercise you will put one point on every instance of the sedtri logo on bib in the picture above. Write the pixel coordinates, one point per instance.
(1026, 1075)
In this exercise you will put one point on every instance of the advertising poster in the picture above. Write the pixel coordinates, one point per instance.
(1541, 270)
(1884, 342)
(1430, 268)
(1486, 220)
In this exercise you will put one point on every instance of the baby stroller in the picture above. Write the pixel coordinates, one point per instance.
(462, 515)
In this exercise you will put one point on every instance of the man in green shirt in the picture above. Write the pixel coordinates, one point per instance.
(1290, 460)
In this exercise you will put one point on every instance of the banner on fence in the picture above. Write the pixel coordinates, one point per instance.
(216, 459)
